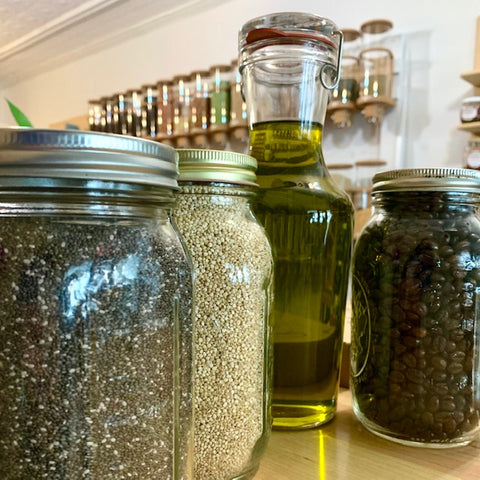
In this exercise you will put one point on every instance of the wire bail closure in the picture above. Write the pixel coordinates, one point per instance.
(329, 70)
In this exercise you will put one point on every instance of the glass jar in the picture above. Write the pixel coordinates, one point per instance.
(181, 96)
(134, 106)
(107, 114)
(415, 291)
(120, 124)
(233, 271)
(471, 156)
(220, 105)
(95, 115)
(96, 309)
(165, 111)
(287, 62)
(200, 108)
(149, 110)
(238, 129)
(470, 111)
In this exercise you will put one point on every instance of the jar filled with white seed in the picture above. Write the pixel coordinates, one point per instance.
(95, 310)
(233, 276)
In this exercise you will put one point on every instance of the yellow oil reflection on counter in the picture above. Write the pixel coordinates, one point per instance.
(321, 456)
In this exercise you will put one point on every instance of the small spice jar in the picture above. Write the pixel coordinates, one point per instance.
(415, 291)
(470, 110)
(233, 274)
(96, 309)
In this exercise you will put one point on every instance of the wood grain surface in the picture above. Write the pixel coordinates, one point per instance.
(344, 450)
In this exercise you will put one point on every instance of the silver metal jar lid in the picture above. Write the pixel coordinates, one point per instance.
(432, 179)
(75, 154)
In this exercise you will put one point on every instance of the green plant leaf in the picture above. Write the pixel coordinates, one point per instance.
(21, 119)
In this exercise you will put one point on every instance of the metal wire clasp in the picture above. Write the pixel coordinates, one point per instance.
(329, 70)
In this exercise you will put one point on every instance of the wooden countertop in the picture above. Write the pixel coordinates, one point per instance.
(344, 450)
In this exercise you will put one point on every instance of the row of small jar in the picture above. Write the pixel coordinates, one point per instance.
(199, 102)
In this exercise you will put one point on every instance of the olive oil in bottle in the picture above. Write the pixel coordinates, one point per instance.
(289, 62)
(309, 224)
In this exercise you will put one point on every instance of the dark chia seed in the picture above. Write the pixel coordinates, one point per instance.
(88, 351)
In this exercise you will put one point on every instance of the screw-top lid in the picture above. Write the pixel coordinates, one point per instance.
(75, 154)
(200, 165)
(432, 179)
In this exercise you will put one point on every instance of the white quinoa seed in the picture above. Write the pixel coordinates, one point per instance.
(233, 268)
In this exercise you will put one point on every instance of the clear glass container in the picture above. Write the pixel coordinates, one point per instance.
(107, 114)
(96, 309)
(376, 83)
(238, 130)
(233, 274)
(133, 107)
(95, 115)
(470, 110)
(361, 191)
(342, 174)
(415, 294)
(220, 105)
(181, 104)
(149, 110)
(165, 109)
(471, 154)
(238, 107)
(120, 125)
(220, 95)
(200, 108)
(341, 105)
(289, 63)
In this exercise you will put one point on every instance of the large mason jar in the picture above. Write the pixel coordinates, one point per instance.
(95, 310)
(415, 296)
(289, 61)
(233, 274)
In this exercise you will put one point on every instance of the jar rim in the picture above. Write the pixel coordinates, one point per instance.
(290, 24)
(432, 179)
(204, 165)
(86, 155)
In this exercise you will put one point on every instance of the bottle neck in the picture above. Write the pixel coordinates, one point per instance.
(286, 104)
(284, 88)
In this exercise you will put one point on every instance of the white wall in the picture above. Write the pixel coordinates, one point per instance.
(202, 39)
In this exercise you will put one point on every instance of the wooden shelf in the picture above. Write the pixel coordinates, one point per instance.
(344, 450)
(472, 77)
(473, 127)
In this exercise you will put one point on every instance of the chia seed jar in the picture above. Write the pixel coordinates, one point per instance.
(95, 309)
(233, 274)
(415, 296)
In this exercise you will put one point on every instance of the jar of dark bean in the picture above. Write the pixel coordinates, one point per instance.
(95, 310)
(415, 297)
